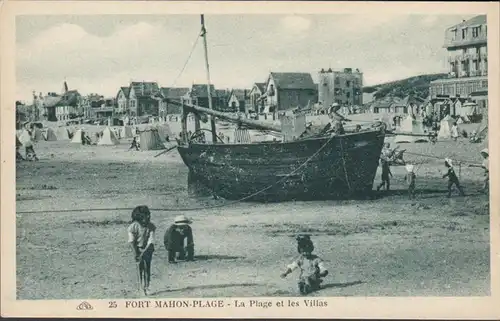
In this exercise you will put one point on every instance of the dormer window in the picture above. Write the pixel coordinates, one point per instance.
(464, 33)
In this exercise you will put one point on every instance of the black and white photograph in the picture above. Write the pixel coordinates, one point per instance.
(201, 155)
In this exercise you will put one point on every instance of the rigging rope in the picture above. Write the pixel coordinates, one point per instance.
(192, 208)
(343, 163)
(187, 60)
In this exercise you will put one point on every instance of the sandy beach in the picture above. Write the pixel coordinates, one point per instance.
(387, 246)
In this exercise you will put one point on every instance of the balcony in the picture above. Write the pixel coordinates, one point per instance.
(451, 43)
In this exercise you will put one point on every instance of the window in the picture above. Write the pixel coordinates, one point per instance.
(348, 83)
(337, 81)
(348, 94)
(475, 32)
(464, 33)
(454, 34)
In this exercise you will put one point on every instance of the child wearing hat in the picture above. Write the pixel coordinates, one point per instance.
(410, 179)
(141, 238)
(311, 266)
(452, 177)
(174, 240)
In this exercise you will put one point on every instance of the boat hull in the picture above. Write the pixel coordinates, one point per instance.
(311, 169)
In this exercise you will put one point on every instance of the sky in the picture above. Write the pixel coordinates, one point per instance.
(100, 53)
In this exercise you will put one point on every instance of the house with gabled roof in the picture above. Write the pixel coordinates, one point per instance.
(258, 89)
(142, 98)
(171, 93)
(238, 100)
(122, 100)
(289, 90)
(198, 95)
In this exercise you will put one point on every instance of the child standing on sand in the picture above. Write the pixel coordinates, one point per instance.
(141, 238)
(452, 177)
(311, 266)
(386, 172)
(410, 180)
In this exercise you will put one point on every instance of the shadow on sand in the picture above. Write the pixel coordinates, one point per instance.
(340, 285)
(208, 286)
(216, 257)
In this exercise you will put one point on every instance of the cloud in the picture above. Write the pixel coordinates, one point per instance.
(295, 23)
(242, 49)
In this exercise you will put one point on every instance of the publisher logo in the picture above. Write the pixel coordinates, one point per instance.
(84, 306)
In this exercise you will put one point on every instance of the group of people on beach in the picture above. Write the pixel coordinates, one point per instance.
(410, 177)
(179, 243)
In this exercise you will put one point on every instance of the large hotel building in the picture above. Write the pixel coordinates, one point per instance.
(467, 48)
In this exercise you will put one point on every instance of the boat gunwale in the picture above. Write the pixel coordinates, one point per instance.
(332, 137)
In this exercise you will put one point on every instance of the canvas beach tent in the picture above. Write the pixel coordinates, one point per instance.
(150, 139)
(37, 135)
(126, 132)
(77, 137)
(50, 135)
(411, 126)
(62, 133)
(108, 137)
(24, 137)
(164, 131)
(445, 127)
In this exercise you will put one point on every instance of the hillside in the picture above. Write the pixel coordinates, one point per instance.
(417, 85)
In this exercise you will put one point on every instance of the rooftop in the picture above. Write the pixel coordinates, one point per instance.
(293, 80)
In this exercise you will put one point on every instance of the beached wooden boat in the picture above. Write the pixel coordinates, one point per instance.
(319, 167)
(322, 168)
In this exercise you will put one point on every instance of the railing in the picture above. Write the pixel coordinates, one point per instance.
(465, 42)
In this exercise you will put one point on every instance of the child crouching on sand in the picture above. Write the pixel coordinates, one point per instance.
(141, 238)
(311, 266)
(410, 179)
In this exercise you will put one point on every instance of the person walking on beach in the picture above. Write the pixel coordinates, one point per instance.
(312, 269)
(134, 144)
(175, 237)
(386, 172)
(452, 177)
(410, 179)
(486, 167)
(141, 238)
(454, 131)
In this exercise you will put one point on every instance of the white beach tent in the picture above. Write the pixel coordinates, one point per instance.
(164, 131)
(445, 127)
(50, 135)
(108, 138)
(411, 126)
(126, 132)
(24, 137)
(62, 133)
(77, 137)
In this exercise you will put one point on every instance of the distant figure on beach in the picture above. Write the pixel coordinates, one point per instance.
(358, 128)
(452, 177)
(410, 179)
(486, 167)
(175, 237)
(312, 269)
(386, 174)
(134, 144)
(454, 131)
(167, 139)
(141, 238)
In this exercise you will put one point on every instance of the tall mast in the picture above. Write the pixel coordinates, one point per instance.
(212, 118)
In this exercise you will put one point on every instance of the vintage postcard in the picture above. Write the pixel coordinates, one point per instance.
(262, 159)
